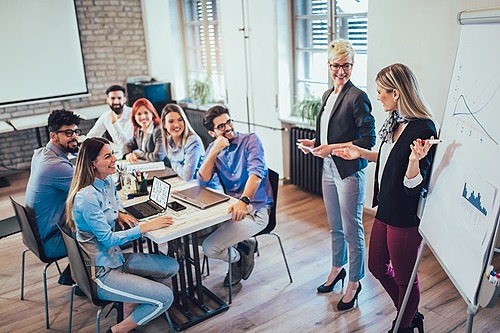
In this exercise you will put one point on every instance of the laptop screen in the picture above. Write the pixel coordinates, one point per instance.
(160, 191)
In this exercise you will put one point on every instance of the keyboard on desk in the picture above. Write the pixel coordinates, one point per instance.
(142, 210)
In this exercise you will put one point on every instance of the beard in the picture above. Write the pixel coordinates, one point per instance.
(116, 108)
(71, 150)
(68, 149)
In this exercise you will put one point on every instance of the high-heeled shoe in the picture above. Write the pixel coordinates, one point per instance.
(328, 288)
(346, 306)
(418, 322)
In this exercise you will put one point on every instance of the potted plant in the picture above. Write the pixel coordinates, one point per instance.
(201, 91)
(308, 108)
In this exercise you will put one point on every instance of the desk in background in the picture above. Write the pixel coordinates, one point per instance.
(5, 127)
(193, 302)
(29, 122)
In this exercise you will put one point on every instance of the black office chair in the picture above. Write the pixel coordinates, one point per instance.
(31, 238)
(81, 276)
(268, 230)
(274, 178)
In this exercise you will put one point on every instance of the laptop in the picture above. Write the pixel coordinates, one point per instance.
(200, 197)
(157, 202)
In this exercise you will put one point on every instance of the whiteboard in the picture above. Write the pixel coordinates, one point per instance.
(460, 216)
(41, 56)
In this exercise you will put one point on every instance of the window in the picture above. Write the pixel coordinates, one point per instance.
(312, 33)
(203, 44)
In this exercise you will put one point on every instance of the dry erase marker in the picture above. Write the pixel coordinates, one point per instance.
(431, 141)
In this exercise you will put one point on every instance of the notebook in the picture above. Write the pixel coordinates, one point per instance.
(157, 202)
(200, 197)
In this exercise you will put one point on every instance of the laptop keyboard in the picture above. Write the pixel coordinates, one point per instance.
(141, 210)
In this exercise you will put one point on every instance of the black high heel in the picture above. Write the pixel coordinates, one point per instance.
(418, 322)
(328, 288)
(346, 306)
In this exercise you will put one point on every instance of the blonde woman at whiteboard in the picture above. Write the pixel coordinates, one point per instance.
(403, 165)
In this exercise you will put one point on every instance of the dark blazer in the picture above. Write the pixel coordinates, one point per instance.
(155, 146)
(351, 121)
(397, 204)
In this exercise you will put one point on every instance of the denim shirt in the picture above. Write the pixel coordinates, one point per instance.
(187, 161)
(235, 164)
(48, 187)
(95, 212)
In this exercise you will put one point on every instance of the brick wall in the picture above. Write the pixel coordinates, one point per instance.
(113, 45)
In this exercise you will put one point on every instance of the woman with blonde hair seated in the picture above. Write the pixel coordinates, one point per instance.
(93, 210)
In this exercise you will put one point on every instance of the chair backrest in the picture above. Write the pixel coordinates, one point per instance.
(29, 231)
(79, 271)
(274, 179)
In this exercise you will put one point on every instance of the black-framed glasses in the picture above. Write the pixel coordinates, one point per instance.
(336, 67)
(69, 133)
(222, 126)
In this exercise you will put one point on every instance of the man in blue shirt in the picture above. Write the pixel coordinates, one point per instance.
(49, 182)
(237, 161)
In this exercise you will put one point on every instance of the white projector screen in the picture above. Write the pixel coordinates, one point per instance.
(41, 56)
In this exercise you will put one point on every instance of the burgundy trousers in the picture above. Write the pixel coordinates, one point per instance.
(391, 259)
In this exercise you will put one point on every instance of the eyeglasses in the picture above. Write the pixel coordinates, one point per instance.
(222, 126)
(336, 67)
(69, 133)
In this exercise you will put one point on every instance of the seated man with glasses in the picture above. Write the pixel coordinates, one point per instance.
(236, 160)
(48, 185)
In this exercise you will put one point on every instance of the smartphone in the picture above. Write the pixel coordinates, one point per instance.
(174, 205)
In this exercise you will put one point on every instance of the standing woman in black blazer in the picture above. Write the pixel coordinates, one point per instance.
(345, 117)
(403, 164)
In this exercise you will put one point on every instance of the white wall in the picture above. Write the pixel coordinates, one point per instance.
(249, 37)
(164, 48)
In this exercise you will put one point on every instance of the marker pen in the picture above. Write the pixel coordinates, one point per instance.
(492, 276)
(489, 269)
(431, 141)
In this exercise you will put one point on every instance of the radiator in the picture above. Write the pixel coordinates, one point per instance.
(305, 169)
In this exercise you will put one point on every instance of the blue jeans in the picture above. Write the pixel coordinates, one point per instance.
(141, 279)
(231, 233)
(344, 199)
(54, 246)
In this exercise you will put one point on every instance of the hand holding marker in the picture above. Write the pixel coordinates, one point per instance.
(431, 141)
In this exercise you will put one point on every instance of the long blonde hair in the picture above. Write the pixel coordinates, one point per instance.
(411, 101)
(188, 130)
(84, 174)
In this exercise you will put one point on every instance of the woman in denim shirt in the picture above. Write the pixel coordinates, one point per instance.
(93, 209)
(184, 147)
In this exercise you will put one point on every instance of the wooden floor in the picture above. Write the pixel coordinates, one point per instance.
(266, 302)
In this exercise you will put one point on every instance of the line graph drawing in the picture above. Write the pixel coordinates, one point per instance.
(471, 113)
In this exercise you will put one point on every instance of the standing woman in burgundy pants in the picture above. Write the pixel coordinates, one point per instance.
(403, 164)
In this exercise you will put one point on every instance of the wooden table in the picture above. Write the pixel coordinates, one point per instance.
(193, 302)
